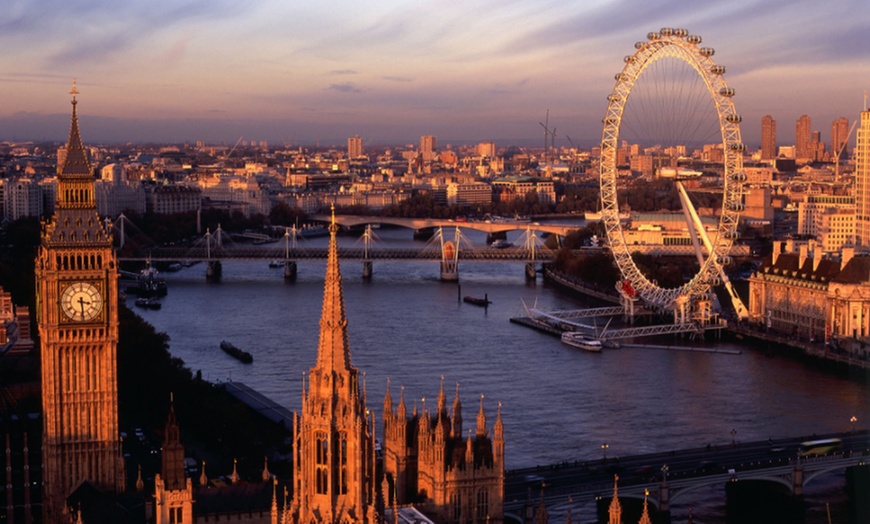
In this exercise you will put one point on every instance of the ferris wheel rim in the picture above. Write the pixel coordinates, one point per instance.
(675, 43)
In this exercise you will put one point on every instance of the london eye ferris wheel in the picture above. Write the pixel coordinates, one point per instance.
(669, 97)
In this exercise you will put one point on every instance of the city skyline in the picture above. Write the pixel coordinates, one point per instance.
(391, 72)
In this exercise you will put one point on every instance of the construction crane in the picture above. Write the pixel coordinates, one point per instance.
(239, 141)
(843, 145)
(546, 126)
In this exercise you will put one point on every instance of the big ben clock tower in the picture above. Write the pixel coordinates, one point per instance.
(77, 295)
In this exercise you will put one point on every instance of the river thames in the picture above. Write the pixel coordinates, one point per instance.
(558, 403)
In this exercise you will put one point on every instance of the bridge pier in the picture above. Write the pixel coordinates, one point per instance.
(367, 269)
(289, 270)
(449, 271)
(213, 270)
(664, 497)
(798, 480)
(531, 271)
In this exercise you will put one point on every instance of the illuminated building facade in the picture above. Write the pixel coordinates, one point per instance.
(77, 311)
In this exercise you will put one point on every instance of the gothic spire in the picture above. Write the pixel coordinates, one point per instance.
(456, 427)
(172, 458)
(481, 419)
(442, 400)
(402, 410)
(234, 477)
(333, 352)
(615, 509)
(644, 517)
(203, 479)
(388, 400)
(76, 162)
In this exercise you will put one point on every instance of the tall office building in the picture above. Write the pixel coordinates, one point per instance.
(802, 138)
(862, 181)
(840, 137)
(77, 308)
(428, 144)
(768, 138)
(354, 147)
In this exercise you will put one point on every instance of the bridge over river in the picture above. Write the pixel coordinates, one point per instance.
(672, 476)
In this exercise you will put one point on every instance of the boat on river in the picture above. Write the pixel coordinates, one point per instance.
(231, 350)
(276, 263)
(148, 284)
(148, 302)
(581, 341)
(477, 301)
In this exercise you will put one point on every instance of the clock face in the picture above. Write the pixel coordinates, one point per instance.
(81, 301)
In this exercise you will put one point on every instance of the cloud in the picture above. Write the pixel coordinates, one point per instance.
(341, 72)
(345, 87)
(74, 32)
(508, 88)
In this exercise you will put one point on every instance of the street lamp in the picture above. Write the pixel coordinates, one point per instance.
(733, 437)
(665, 469)
(604, 450)
(853, 420)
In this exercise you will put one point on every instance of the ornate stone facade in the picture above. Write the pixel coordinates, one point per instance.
(811, 297)
(77, 294)
(334, 445)
(429, 463)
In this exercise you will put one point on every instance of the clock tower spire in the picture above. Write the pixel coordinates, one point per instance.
(77, 312)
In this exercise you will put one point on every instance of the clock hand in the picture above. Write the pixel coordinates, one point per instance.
(82, 303)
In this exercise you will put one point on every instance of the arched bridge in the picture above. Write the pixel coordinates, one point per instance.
(670, 477)
(242, 252)
(487, 226)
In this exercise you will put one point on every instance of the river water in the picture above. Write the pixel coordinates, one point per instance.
(558, 403)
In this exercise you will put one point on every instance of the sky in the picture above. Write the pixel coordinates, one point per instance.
(306, 73)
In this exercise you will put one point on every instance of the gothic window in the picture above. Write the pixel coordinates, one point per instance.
(321, 464)
(175, 515)
(342, 489)
(456, 506)
(482, 505)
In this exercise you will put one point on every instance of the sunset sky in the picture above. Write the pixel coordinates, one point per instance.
(301, 73)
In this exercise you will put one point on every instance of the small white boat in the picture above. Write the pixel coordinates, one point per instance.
(581, 341)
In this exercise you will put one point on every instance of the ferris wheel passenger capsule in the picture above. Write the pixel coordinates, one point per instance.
(628, 58)
(732, 235)
(727, 91)
(733, 119)
(653, 36)
(737, 206)
(693, 39)
(707, 51)
(739, 177)
(738, 147)
(718, 70)
(723, 261)
(681, 33)
(667, 31)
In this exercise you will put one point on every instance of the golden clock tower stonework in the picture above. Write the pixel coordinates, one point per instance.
(77, 295)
